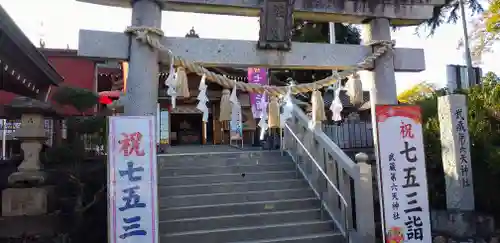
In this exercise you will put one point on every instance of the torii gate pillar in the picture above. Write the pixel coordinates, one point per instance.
(383, 91)
(142, 83)
(383, 75)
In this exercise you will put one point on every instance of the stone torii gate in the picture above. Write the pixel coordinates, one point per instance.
(273, 50)
(142, 85)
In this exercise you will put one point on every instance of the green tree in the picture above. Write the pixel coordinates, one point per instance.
(416, 92)
(492, 16)
(312, 32)
(449, 13)
(80, 174)
(81, 99)
(316, 32)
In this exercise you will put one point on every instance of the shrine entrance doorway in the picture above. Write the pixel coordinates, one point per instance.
(187, 129)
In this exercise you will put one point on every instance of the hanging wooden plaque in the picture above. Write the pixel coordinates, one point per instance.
(276, 23)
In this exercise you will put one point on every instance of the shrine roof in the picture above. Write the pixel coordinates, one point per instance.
(56, 52)
(22, 105)
(29, 70)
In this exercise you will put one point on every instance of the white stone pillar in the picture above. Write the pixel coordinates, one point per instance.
(364, 206)
(383, 76)
(382, 81)
(142, 83)
(455, 145)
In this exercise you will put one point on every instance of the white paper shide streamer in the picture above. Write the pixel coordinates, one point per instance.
(263, 117)
(171, 83)
(235, 111)
(336, 107)
(287, 108)
(203, 99)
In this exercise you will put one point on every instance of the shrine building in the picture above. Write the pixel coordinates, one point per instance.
(183, 124)
(24, 70)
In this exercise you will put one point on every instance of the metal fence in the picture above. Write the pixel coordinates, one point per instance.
(350, 134)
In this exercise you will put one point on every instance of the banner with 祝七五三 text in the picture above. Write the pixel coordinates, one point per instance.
(257, 75)
(403, 179)
(132, 184)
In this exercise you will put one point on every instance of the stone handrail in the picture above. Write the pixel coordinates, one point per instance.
(353, 179)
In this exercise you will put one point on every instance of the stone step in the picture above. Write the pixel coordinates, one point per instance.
(238, 208)
(237, 234)
(234, 169)
(221, 159)
(238, 197)
(224, 187)
(239, 220)
(332, 237)
(227, 178)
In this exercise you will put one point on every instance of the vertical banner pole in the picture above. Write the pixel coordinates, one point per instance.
(158, 120)
(204, 132)
(4, 139)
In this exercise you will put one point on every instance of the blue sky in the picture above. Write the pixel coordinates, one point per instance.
(63, 18)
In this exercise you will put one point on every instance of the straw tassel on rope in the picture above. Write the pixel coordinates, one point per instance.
(274, 113)
(225, 106)
(182, 83)
(318, 107)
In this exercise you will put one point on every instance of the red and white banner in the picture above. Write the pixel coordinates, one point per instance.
(132, 183)
(403, 179)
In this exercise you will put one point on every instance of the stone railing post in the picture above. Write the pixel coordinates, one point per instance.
(363, 189)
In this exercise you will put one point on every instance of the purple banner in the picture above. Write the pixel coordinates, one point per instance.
(257, 76)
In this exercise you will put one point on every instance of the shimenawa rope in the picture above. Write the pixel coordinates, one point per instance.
(152, 36)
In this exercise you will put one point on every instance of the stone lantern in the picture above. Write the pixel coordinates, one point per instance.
(29, 200)
(32, 136)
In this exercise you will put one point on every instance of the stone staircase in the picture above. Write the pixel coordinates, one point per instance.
(245, 197)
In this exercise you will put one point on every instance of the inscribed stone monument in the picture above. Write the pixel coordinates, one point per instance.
(455, 145)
